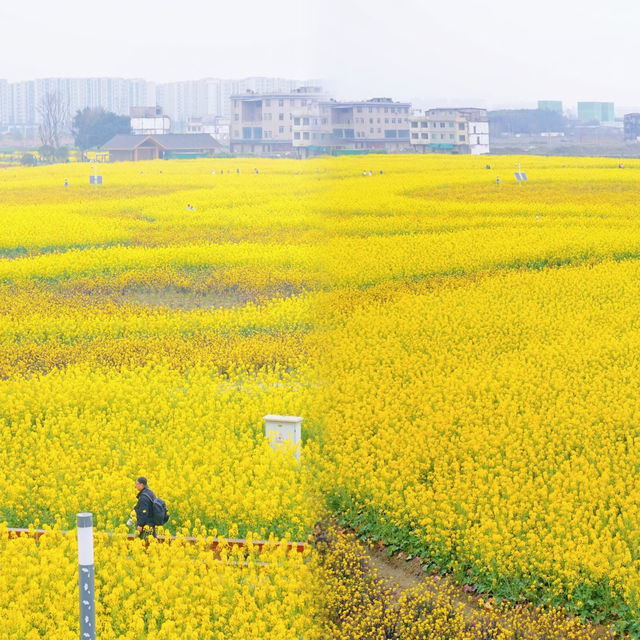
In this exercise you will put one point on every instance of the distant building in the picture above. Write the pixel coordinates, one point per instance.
(171, 145)
(4, 102)
(464, 130)
(262, 123)
(112, 94)
(632, 126)
(550, 105)
(374, 124)
(216, 126)
(211, 97)
(146, 121)
(596, 111)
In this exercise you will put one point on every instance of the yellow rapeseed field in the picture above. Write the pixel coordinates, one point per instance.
(464, 353)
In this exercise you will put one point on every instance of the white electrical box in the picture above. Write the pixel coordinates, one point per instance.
(282, 429)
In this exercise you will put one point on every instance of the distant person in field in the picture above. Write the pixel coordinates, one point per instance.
(144, 506)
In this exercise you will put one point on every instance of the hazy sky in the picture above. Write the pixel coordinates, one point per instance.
(489, 53)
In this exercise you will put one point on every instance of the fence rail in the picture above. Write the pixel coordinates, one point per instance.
(211, 544)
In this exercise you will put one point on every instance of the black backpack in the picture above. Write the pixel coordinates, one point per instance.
(159, 513)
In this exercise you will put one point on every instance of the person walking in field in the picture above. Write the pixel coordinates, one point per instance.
(144, 507)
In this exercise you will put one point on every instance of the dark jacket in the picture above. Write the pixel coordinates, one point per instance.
(143, 507)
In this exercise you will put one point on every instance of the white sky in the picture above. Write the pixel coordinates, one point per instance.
(495, 52)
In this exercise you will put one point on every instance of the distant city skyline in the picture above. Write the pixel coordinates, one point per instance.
(161, 93)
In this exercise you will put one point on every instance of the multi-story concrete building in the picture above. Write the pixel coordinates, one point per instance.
(463, 130)
(113, 94)
(375, 124)
(211, 97)
(4, 103)
(632, 127)
(216, 126)
(550, 105)
(305, 122)
(262, 123)
(148, 121)
(596, 112)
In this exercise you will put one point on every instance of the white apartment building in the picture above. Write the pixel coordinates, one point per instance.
(374, 124)
(262, 123)
(211, 97)
(464, 130)
(4, 102)
(113, 94)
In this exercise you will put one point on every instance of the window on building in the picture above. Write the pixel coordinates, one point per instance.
(478, 140)
(461, 126)
(236, 116)
(267, 103)
(281, 103)
(424, 125)
(257, 132)
(390, 133)
(452, 136)
(315, 136)
(442, 125)
(296, 121)
(451, 125)
(414, 136)
(280, 129)
(386, 120)
(371, 130)
(305, 122)
(474, 129)
(296, 135)
(359, 109)
(462, 138)
(425, 136)
(303, 103)
(281, 116)
(305, 135)
(393, 120)
(414, 124)
(246, 132)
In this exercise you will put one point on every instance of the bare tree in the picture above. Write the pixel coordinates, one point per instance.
(54, 115)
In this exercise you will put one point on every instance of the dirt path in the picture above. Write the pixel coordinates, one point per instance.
(404, 574)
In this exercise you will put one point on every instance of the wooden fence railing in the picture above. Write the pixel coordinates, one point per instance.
(211, 544)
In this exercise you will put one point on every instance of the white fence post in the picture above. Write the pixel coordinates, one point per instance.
(86, 573)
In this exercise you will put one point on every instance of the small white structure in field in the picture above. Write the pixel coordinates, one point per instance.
(281, 429)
